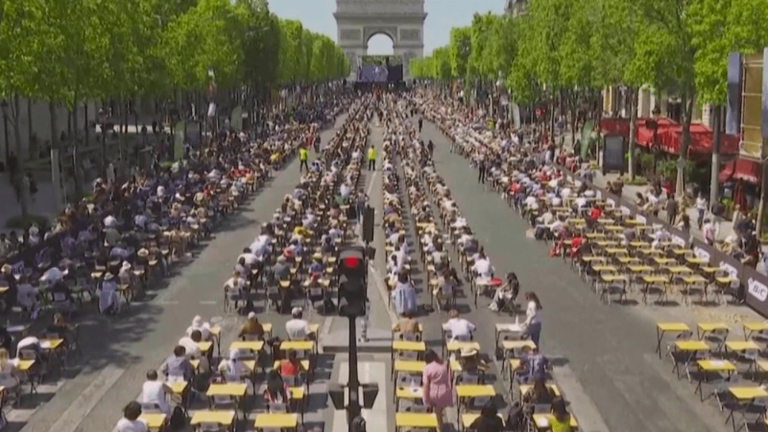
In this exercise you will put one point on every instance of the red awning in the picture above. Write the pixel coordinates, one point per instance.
(740, 169)
(701, 141)
(669, 135)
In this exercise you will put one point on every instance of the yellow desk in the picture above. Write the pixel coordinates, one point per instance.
(616, 251)
(153, 420)
(460, 345)
(542, 421)
(177, 387)
(474, 390)
(693, 279)
(509, 345)
(678, 269)
(752, 327)
(691, 345)
(748, 393)
(639, 244)
(741, 345)
(51, 344)
(709, 269)
(664, 261)
(640, 268)
(708, 327)
(593, 258)
(410, 366)
(24, 365)
(668, 327)
(297, 345)
(415, 420)
(604, 268)
(651, 252)
(225, 418)
(254, 346)
(276, 421)
(401, 345)
(697, 261)
(204, 346)
(716, 365)
(230, 389)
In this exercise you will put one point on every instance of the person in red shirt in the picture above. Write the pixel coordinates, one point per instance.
(290, 366)
(595, 213)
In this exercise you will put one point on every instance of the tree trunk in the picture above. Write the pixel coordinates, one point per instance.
(714, 188)
(632, 127)
(687, 102)
(32, 150)
(55, 171)
(20, 171)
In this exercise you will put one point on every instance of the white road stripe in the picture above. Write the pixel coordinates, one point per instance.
(381, 288)
(208, 302)
(585, 410)
(82, 406)
(377, 417)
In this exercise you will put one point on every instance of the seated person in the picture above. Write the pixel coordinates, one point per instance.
(298, 328)
(177, 366)
(277, 390)
(290, 366)
(539, 394)
(156, 392)
(251, 329)
(130, 421)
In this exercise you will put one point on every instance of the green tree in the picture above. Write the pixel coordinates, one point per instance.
(460, 46)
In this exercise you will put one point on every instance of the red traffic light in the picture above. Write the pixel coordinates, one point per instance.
(351, 262)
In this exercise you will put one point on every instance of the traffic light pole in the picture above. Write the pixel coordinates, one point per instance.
(353, 382)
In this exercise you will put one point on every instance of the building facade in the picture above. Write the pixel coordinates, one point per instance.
(402, 21)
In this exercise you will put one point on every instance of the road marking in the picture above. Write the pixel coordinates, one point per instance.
(379, 281)
(166, 302)
(82, 406)
(376, 417)
(370, 184)
(587, 413)
(208, 302)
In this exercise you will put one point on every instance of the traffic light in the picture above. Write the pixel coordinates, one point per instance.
(353, 281)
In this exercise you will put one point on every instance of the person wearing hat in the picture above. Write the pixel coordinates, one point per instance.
(297, 328)
(251, 329)
(471, 363)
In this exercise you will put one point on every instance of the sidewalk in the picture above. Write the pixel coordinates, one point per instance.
(43, 203)
(629, 193)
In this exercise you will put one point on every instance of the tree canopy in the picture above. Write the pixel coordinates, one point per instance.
(62, 51)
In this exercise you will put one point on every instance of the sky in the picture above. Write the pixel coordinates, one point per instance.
(317, 15)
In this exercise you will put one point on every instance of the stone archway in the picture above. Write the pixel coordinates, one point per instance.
(358, 21)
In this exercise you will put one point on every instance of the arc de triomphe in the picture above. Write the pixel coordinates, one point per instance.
(402, 21)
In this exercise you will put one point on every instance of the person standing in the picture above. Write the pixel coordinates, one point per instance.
(421, 124)
(532, 323)
(436, 386)
(303, 155)
(372, 159)
(701, 209)
(481, 169)
(671, 209)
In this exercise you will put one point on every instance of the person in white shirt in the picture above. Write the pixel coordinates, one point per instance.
(532, 323)
(155, 392)
(202, 326)
(250, 258)
(53, 274)
(28, 342)
(140, 220)
(110, 221)
(109, 300)
(482, 266)
(234, 286)
(297, 328)
(459, 328)
(581, 202)
(130, 421)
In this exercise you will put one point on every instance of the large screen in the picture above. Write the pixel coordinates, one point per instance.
(380, 69)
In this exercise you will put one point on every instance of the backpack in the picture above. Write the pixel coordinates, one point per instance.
(178, 420)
